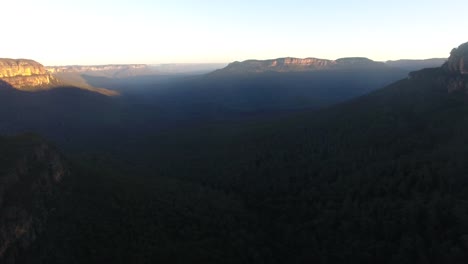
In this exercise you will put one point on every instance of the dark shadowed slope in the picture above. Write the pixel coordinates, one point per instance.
(64, 114)
(30, 170)
(380, 179)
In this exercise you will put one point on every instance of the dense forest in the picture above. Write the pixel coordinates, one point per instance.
(379, 179)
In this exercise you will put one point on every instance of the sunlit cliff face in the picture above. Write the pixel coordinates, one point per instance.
(25, 75)
(14, 68)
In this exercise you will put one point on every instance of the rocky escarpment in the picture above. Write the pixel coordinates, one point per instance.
(453, 75)
(30, 170)
(27, 75)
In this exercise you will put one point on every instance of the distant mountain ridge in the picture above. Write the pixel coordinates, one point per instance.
(134, 70)
(414, 65)
(88, 68)
(290, 64)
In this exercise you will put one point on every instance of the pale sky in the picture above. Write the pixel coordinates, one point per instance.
(64, 32)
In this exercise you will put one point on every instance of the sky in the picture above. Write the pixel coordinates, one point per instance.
(71, 32)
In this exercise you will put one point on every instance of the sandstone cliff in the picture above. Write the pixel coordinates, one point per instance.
(27, 75)
(30, 169)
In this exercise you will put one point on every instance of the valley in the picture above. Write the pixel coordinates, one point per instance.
(346, 161)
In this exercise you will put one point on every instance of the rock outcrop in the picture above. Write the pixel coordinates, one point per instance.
(27, 75)
(30, 170)
(453, 75)
(458, 60)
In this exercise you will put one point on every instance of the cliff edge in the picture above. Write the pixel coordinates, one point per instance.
(26, 75)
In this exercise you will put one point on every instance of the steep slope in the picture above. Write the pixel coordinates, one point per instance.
(30, 171)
